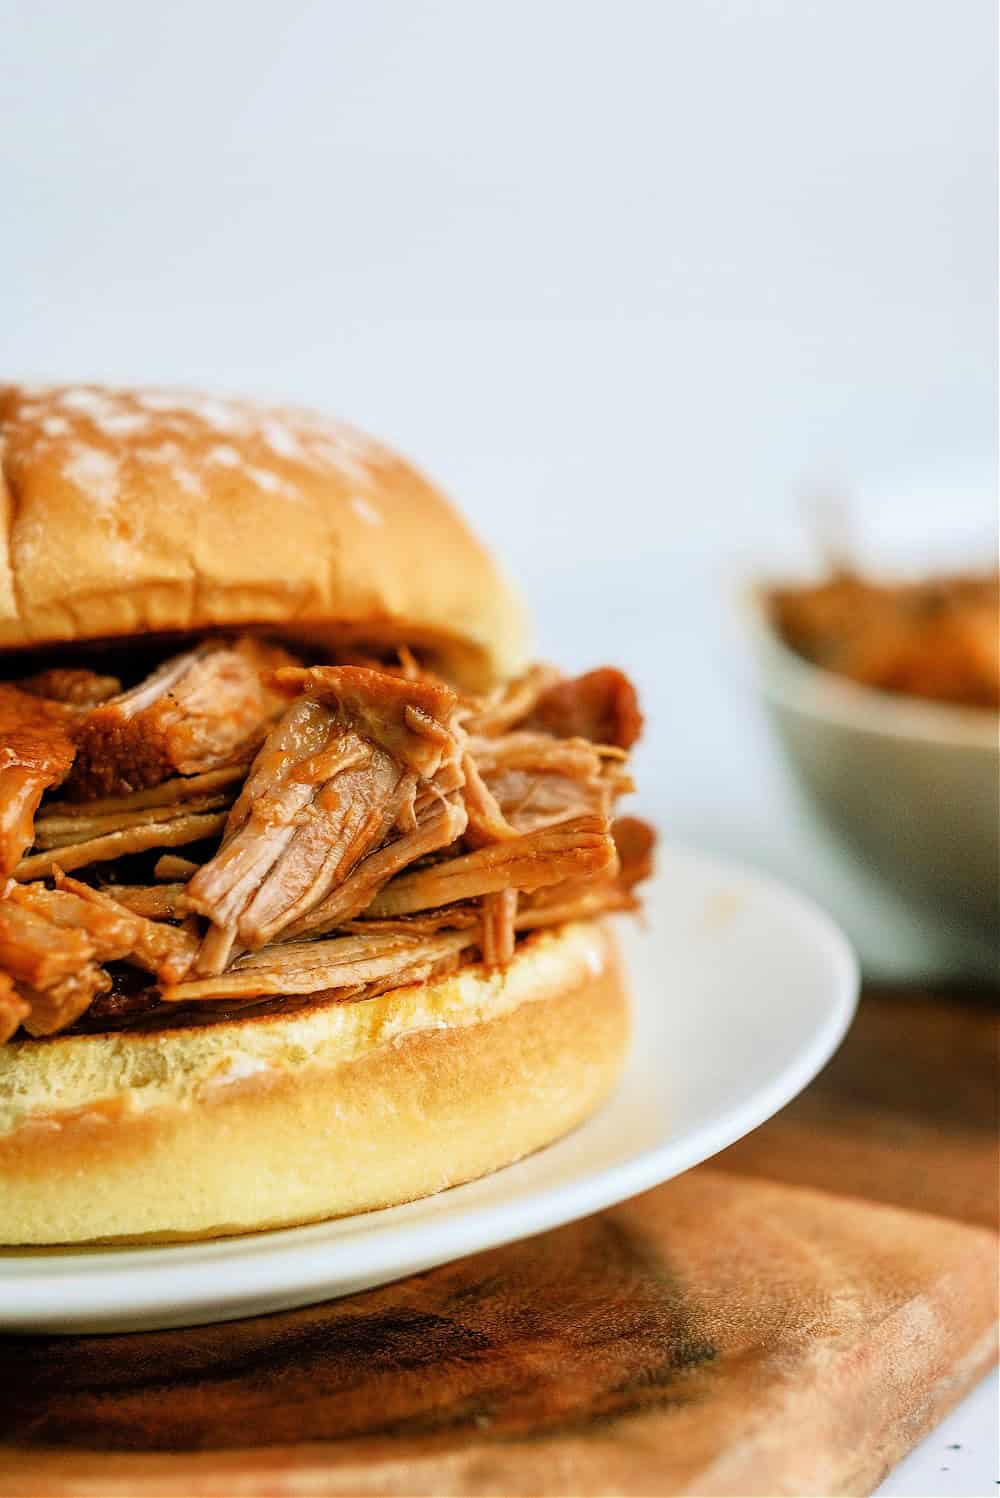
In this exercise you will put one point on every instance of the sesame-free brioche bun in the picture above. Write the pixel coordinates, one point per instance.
(332, 1108)
(127, 512)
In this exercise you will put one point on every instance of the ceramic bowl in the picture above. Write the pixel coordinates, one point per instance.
(911, 786)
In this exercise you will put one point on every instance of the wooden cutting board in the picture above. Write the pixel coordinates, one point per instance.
(788, 1319)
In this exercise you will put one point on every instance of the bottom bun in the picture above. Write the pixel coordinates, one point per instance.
(281, 1118)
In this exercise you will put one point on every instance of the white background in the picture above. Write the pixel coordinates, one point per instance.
(630, 277)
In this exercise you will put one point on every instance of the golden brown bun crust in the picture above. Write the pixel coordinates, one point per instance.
(338, 1108)
(125, 512)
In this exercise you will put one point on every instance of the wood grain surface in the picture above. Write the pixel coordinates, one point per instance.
(789, 1319)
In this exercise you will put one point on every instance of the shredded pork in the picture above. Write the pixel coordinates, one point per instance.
(166, 951)
(55, 830)
(112, 931)
(76, 686)
(172, 832)
(536, 781)
(13, 1009)
(513, 702)
(198, 711)
(319, 966)
(160, 902)
(337, 777)
(345, 829)
(177, 792)
(582, 899)
(36, 752)
(53, 1009)
(572, 850)
(53, 966)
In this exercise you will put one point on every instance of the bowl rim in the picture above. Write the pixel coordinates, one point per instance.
(790, 681)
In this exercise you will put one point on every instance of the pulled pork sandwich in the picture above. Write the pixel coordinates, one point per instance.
(301, 862)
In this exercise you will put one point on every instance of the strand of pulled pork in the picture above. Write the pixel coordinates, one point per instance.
(172, 832)
(76, 833)
(318, 966)
(55, 968)
(603, 888)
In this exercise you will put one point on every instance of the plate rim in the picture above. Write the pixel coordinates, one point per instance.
(95, 1290)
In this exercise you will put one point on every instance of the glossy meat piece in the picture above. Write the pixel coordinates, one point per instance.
(582, 899)
(414, 721)
(573, 900)
(172, 833)
(179, 792)
(349, 816)
(166, 951)
(574, 849)
(535, 781)
(172, 867)
(303, 751)
(13, 1009)
(601, 706)
(196, 712)
(635, 841)
(52, 966)
(36, 752)
(322, 966)
(53, 829)
(33, 949)
(113, 930)
(511, 703)
(457, 917)
(487, 823)
(158, 902)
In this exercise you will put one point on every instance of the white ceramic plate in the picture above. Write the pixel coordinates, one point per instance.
(742, 991)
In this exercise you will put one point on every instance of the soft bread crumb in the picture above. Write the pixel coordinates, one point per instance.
(145, 1070)
(484, 1081)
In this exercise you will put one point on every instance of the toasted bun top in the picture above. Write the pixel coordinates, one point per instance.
(126, 512)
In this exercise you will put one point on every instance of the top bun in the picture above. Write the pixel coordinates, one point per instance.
(132, 511)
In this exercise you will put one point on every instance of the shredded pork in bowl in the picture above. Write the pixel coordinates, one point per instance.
(884, 696)
(935, 638)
